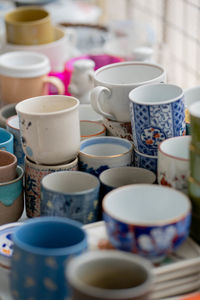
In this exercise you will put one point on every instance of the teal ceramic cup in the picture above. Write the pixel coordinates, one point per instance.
(12, 198)
(42, 248)
(6, 140)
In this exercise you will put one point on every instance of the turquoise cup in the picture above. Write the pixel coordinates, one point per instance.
(6, 140)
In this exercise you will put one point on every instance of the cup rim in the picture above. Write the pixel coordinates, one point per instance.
(106, 156)
(126, 63)
(20, 174)
(152, 223)
(9, 125)
(170, 155)
(99, 132)
(50, 251)
(11, 138)
(40, 98)
(135, 101)
(12, 163)
(114, 255)
(30, 163)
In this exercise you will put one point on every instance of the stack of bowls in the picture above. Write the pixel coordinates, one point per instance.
(50, 135)
(194, 179)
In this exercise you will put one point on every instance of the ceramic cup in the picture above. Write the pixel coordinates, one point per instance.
(194, 161)
(50, 128)
(110, 275)
(194, 110)
(28, 26)
(114, 82)
(145, 161)
(42, 247)
(12, 198)
(8, 165)
(118, 129)
(191, 95)
(194, 194)
(86, 112)
(12, 125)
(173, 162)
(74, 195)
(23, 75)
(58, 51)
(6, 111)
(101, 153)
(157, 113)
(148, 219)
(6, 140)
(91, 129)
(33, 176)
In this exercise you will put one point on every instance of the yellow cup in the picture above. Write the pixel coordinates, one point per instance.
(29, 26)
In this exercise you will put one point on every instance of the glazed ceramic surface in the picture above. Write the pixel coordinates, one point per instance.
(145, 161)
(28, 26)
(42, 247)
(101, 153)
(118, 129)
(12, 125)
(12, 198)
(114, 82)
(6, 140)
(24, 74)
(74, 195)
(173, 162)
(157, 113)
(8, 165)
(194, 110)
(194, 162)
(33, 176)
(110, 275)
(6, 112)
(149, 220)
(86, 112)
(91, 129)
(50, 128)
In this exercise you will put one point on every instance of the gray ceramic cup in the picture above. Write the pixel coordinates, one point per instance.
(110, 275)
(71, 194)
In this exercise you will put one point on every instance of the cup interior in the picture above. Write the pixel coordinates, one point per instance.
(108, 146)
(145, 204)
(13, 122)
(159, 93)
(117, 177)
(46, 104)
(70, 182)
(7, 159)
(26, 15)
(48, 235)
(5, 136)
(176, 147)
(128, 73)
(91, 128)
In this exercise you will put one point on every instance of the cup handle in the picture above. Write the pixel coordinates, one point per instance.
(95, 100)
(57, 83)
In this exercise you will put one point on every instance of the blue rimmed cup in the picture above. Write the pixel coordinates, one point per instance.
(101, 153)
(157, 113)
(6, 140)
(71, 194)
(145, 161)
(42, 248)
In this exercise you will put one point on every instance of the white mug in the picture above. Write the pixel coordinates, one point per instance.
(50, 128)
(114, 82)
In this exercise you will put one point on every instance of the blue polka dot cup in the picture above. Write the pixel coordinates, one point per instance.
(42, 247)
(157, 113)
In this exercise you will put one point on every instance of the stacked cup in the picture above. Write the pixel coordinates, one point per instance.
(50, 135)
(194, 179)
(157, 113)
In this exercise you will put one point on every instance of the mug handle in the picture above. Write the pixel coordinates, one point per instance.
(95, 100)
(57, 83)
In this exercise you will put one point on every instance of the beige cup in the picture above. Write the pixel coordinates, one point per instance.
(24, 75)
(28, 26)
(8, 165)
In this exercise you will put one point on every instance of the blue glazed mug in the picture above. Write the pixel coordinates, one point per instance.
(157, 113)
(6, 140)
(71, 194)
(42, 248)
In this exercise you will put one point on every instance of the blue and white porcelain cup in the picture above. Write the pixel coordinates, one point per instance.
(101, 153)
(12, 125)
(145, 161)
(6, 140)
(70, 194)
(42, 247)
(157, 113)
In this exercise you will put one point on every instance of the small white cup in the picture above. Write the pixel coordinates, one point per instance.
(50, 128)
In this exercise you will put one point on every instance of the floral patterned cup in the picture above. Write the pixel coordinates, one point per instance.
(157, 113)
